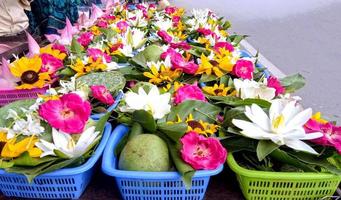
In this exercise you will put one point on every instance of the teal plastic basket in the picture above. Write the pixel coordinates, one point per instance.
(67, 183)
(137, 185)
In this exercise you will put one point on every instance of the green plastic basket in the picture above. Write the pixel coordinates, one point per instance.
(262, 185)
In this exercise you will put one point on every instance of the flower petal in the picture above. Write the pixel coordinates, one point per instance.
(251, 130)
(257, 115)
(300, 146)
(300, 119)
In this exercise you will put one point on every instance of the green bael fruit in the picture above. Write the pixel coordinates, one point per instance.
(145, 152)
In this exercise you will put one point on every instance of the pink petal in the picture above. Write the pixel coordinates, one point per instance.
(33, 47)
(52, 37)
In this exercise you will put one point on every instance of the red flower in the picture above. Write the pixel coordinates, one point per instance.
(101, 93)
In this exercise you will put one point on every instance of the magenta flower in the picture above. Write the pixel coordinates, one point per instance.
(205, 31)
(243, 69)
(85, 38)
(165, 36)
(97, 53)
(273, 82)
(51, 64)
(101, 93)
(122, 25)
(181, 45)
(189, 92)
(201, 152)
(102, 24)
(178, 62)
(224, 45)
(70, 113)
(59, 47)
(176, 20)
(170, 10)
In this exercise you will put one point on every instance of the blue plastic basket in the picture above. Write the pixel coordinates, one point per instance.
(67, 183)
(136, 185)
(112, 107)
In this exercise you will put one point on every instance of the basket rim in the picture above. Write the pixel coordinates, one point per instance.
(79, 169)
(239, 170)
(109, 162)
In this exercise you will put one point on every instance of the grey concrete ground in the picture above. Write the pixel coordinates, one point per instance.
(297, 36)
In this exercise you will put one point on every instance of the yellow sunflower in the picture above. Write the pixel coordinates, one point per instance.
(219, 90)
(200, 126)
(166, 74)
(53, 52)
(27, 69)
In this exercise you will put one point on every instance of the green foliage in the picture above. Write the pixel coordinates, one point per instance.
(151, 53)
(293, 83)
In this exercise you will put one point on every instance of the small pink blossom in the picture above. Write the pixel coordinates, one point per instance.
(109, 17)
(152, 6)
(201, 152)
(97, 53)
(273, 82)
(70, 113)
(181, 45)
(102, 24)
(176, 20)
(189, 92)
(122, 25)
(170, 10)
(51, 64)
(101, 93)
(59, 47)
(178, 62)
(243, 69)
(224, 45)
(85, 38)
(205, 31)
(165, 36)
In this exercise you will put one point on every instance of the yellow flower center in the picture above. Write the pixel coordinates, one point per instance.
(66, 113)
(278, 123)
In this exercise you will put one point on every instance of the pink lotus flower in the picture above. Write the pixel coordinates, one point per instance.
(165, 36)
(97, 53)
(122, 25)
(243, 69)
(201, 152)
(65, 36)
(85, 38)
(96, 13)
(33, 46)
(181, 45)
(51, 64)
(101, 93)
(178, 62)
(205, 31)
(189, 92)
(59, 47)
(224, 45)
(273, 82)
(7, 80)
(70, 113)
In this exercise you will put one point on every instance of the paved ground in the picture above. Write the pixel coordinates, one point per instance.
(297, 36)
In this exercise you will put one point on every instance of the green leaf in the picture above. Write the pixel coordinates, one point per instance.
(136, 129)
(293, 83)
(112, 80)
(108, 32)
(314, 160)
(234, 101)
(26, 160)
(207, 78)
(151, 53)
(76, 47)
(102, 121)
(200, 111)
(264, 148)
(237, 143)
(283, 157)
(60, 154)
(145, 119)
(233, 113)
(66, 72)
(236, 39)
(173, 131)
(6, 164)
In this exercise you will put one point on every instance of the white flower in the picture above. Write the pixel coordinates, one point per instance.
(134, 37)
(66, 144)
(28, 127)
(252, 89)
(72, 87)
(152, 102)
(136, 18)
(127, 50)
(158, 64)
(283, 126)
(164, 24)
(12, 114)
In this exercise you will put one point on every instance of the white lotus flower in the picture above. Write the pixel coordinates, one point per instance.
(164, 24)
(167, 63)
(152, 102)
(136, 19)
(283, 126)
(66, 144)
(29, 126)
(252, 89)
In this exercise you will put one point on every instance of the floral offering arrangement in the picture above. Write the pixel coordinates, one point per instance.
(52, 132)
(191, 97)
